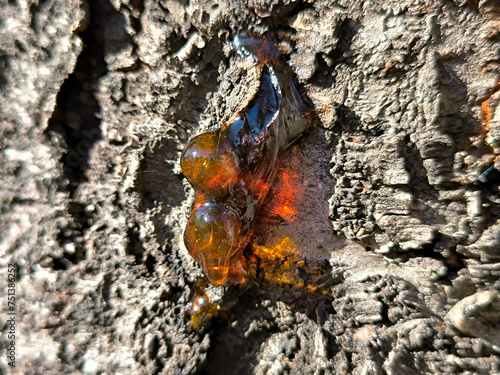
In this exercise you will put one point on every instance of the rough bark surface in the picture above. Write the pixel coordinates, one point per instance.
(398, 211)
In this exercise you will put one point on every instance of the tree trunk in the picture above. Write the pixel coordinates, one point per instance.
(377, 249)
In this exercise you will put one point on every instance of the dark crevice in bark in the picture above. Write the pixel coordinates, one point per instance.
(138, 7)
(414, 164)
(232, 352)
(76, 116)
(136, 248)
(349, 121)
(326, 63)
(77, 120)
(3, 69)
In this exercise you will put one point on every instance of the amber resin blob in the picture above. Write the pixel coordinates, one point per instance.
(209, 165)
(231, 169)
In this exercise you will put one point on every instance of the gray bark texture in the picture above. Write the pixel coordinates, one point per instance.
(395, 262)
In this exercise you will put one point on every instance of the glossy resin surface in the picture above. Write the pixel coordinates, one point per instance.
(232, 168)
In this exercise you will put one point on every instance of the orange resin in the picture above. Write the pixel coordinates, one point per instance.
(232, 168)
(209, 165)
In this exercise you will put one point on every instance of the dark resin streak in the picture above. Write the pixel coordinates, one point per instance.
(232, 168)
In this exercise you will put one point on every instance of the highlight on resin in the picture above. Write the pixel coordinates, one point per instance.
(232, 168)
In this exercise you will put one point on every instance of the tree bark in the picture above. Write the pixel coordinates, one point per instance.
(387, 258)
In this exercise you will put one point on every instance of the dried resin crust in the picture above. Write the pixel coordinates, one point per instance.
(231, 169)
